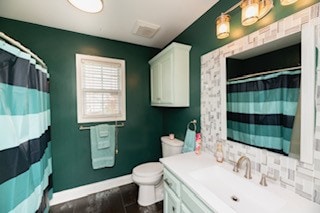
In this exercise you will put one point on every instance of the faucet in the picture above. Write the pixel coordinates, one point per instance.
(248, 166)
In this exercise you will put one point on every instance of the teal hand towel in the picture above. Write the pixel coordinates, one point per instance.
(102, 157)
(189, 141)
(102, 133)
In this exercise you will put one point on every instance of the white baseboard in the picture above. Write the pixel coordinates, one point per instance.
(82, 191)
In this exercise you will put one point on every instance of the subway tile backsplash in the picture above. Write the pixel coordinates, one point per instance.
(302, 178)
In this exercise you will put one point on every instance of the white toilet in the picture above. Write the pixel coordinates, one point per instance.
(148, 176)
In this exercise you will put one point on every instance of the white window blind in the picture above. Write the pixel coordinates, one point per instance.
(101, 89)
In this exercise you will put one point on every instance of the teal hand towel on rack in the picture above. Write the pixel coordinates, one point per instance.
(102, 139)
(190, 138)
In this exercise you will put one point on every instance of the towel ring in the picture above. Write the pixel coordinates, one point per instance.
(194, 122)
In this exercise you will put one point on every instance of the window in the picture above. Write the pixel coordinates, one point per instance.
(100, 89)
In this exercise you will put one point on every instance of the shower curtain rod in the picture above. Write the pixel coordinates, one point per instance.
(23, 48)
(263, 73)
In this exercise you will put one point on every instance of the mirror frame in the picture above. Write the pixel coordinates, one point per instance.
(308, 70)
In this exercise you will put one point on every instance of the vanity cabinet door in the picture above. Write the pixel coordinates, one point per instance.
(185, 209)
(171, 202)
(190, 200)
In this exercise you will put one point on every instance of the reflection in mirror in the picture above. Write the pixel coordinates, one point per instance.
(263, 93)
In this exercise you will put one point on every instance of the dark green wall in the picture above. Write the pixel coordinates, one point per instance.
(277, 59)
(201, 36)
(139, 140)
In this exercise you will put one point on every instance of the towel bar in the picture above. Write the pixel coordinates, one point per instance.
(88, 127)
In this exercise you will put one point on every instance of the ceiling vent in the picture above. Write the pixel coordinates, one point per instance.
(145, 29)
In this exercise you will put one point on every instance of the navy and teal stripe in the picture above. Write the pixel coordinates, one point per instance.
(10, 72)
(272, 95)
(25, 147)
(15, 130)
(36, 101)
(270, 119)
(26, 185)
(22, 156)
(261, 110)
(271, 107)
(260, 141)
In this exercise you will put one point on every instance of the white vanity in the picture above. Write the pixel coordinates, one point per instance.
(197, 183)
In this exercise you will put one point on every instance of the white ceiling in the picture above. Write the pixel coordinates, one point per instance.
(115, 21)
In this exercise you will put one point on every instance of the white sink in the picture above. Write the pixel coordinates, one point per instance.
(229, 186)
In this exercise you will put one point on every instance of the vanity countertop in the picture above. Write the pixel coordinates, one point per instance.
(184, 166)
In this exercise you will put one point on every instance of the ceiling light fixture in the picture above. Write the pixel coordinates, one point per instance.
(251, 12)
(89, 6)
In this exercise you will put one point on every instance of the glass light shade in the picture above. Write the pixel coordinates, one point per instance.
(287, 2)
(264, 7)
(223, 26)
(89, 6)
(250, 12)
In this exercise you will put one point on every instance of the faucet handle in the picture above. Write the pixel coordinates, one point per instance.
(263, 180)
(235, 167)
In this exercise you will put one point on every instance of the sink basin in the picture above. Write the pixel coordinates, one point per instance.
(239, 193)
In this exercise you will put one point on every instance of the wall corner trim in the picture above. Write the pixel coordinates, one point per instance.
(85, 190)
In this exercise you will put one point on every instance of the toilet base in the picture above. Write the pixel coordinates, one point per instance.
(149, 194)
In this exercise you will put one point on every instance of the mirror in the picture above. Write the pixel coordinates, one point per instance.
(263, 99)
(306, 35)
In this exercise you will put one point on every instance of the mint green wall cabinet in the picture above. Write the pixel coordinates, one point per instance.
(178, 198)
(169, 76)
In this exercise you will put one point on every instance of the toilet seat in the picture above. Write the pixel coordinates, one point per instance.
(148, 169)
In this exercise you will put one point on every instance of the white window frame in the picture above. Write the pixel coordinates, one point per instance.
(81, 117)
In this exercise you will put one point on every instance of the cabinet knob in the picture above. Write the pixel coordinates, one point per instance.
(173, 209)
(167, 182)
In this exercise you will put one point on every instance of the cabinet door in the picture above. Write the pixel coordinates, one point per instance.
(184, 209)
(167, 79)
(171, 202)
(156, 83)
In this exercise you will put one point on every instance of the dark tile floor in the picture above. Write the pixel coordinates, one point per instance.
(122, 199)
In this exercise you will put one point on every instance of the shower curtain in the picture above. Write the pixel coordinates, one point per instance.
(25, 148)
(261, 110)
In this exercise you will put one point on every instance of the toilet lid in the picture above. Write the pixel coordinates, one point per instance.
(174, 142)
(148, 169)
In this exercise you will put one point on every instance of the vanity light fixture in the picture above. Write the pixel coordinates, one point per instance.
(89, 6)
(251, 12)
(287, 2)
(264, 7)
(223, 26)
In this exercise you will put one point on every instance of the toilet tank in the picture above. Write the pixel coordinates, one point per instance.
(170, 147)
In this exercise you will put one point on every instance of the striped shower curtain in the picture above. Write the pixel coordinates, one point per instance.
(261, 110)
(25, 148)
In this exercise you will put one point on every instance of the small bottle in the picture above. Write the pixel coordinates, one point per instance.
(219, 152)
(171, 136)
(198, 144)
